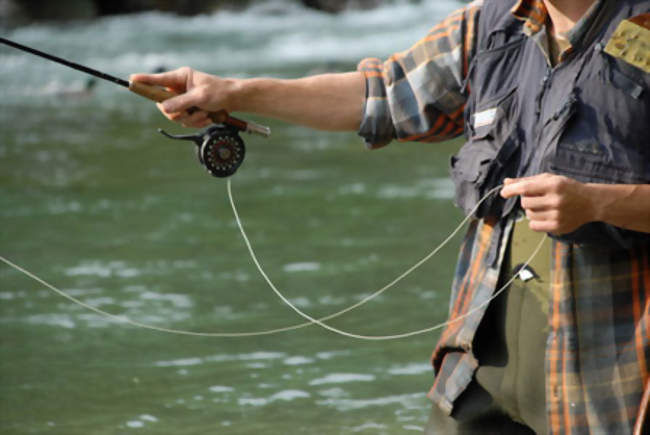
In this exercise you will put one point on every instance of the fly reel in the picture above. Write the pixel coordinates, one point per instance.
(219, 148)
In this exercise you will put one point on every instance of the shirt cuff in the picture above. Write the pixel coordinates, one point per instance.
(377, 127)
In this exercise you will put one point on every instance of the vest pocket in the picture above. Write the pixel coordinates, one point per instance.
(606, 141)
(489, 156)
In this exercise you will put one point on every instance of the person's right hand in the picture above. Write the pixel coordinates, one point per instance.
(196, 90)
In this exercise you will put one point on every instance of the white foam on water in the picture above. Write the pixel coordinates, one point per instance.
(435, 188)
(370, 426)
(332, 354)
(140, 422)
(103, 269)
(341, 378)
(252, 401)
(179, 362)
(256, 365)
(76, 292)
(298, 360)
(301, 302)
(261, 355)
(335, 393)
(301, 267)
(352, 189)
(8, 296)
(413, 428)
(289, 395)
(411, 369)
(405, 400)
(429, 294)
(176, 300)
(221, 389)
(331, 300)
(95, 321)
(98, 302)
(60, 320)
(285, 396)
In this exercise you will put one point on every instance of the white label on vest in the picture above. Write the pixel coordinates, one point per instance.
(485, 117)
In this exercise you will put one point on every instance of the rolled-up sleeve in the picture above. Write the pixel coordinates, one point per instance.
(417, 95)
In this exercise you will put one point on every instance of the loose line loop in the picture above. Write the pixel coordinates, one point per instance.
(310, 320)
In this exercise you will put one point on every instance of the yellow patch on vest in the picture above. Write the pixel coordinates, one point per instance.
(631, 42)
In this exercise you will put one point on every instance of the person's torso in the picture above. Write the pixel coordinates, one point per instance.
(587, 118)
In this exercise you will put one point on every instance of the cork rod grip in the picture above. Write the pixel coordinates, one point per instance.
(158, 94)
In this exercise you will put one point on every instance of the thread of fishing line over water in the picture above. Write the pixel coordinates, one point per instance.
(310, 320)
(377, 293)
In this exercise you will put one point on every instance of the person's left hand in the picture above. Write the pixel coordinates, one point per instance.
(553, 203)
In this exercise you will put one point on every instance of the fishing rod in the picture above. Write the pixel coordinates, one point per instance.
(220, 149)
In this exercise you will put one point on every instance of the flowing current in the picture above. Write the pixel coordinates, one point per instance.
(95, 201)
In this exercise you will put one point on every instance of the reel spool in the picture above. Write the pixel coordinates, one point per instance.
(219, 148)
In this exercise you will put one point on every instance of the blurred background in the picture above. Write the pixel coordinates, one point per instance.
(95, 201)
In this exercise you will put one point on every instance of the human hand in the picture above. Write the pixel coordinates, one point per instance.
(200, 96)
(553, 203)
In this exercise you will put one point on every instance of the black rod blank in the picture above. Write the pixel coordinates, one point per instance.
(67, 63)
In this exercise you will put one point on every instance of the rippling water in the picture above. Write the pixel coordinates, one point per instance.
(94, 201)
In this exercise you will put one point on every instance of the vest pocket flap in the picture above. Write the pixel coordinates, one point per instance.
(493, 119)
(626, 84)
(472, 162)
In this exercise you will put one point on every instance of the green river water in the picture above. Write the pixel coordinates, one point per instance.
(96, 202)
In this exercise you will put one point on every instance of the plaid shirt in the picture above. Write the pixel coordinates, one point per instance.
(598, 353)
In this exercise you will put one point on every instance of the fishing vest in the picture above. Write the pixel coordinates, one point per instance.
(588, 118)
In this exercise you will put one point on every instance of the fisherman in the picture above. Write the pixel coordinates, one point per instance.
(553, 97)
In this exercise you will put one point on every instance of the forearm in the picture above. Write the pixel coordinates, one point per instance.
(622, 205)
(325, 102)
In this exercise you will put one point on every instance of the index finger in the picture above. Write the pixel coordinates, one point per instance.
(526, 186)
(172, 79)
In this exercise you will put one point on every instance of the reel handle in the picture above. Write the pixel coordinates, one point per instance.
(158, 94)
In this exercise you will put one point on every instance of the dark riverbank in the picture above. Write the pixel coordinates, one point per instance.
(14, 13)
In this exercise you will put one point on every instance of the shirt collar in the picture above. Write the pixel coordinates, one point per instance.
(535, 15)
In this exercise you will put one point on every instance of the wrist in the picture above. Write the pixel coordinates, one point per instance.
(243, 95)
(231, 92)
(592, 194)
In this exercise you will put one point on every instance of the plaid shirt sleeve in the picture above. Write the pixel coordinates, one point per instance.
(417, 95)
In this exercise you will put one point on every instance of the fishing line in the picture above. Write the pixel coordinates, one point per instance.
(320, 323)
(311, 320)
(372, 296)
